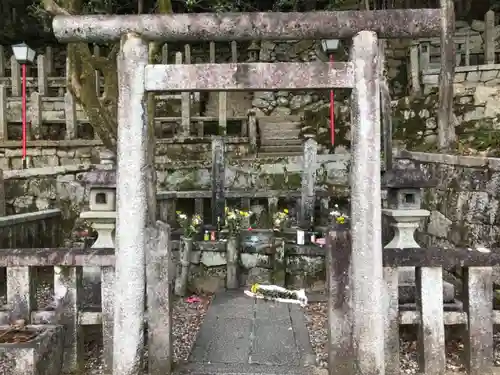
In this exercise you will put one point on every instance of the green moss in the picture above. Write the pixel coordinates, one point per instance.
(285, 181)
(317, 122)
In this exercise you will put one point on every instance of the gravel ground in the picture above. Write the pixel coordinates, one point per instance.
(186, 318)
(316, 317)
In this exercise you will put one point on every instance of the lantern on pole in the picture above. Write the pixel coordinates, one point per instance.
(24, 55)
(329, 47)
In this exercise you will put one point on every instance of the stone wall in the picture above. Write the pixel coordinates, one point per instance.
(477, 119)
(303, 267)
(464, 206)
(74, 152)
(50, 187)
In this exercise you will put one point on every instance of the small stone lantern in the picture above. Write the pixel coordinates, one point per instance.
(404, 184)
(253, 52)
(102, 205)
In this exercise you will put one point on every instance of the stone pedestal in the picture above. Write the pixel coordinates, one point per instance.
(405, 223)
(104, 223)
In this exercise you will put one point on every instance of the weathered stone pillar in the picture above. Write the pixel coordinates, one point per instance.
(366, 282)
(186, 247)
(128, 340)
(232, 256)
(218, 181)
(308, 183)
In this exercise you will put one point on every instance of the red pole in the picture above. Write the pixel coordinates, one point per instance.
(332, 110)
(24, 110)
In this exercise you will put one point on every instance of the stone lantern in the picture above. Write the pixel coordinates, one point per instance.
(102, 205)
(404, 184)
(253, 52)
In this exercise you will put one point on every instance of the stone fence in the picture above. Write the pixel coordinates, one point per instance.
(54, 114)
(32, 229)
(476, 61)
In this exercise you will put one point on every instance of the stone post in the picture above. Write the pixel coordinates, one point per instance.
(367, 317)
(308, 183)
(181, 281)
(252, 130)
(404, 184)
(338, 273)
(489, 37)
(159, 301)
(218, 181)
(2, 194)
(232, 256)
(15, 76)
(279, 267)
(132, 205)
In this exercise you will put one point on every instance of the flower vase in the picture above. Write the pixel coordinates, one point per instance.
(232, 256)
(186, 247)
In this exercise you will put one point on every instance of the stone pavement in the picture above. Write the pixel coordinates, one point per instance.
(242, 335)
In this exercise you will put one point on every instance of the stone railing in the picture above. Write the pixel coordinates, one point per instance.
(475, 57)
(32, 229)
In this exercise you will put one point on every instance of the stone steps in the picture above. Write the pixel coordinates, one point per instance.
(281, 141)
(280, 136)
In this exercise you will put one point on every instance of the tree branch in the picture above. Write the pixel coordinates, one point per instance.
(54, 9)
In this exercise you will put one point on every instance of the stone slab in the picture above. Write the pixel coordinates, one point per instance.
(301, 334)
(245, 331)
(226, 340)
(273, 311)
(244, 369)
(274, 344)
(231, 304)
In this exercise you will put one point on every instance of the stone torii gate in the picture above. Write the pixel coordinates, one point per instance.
(136, 78)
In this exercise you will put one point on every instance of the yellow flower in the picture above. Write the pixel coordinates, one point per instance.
(285, 211)
(341, 220)
(254, 288)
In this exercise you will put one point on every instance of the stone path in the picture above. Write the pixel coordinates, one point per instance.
(241, 335)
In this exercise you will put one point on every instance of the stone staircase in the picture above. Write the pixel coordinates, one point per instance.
(279, 136)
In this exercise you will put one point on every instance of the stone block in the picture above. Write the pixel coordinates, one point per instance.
(407, 293)
(487, 75)
(41, 354)
(473, 76)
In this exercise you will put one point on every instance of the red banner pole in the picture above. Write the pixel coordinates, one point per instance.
(332, 110)
(24, 110)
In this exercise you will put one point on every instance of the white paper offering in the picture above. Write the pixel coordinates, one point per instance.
(277, 293)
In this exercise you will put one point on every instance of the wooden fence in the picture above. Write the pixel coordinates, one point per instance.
(51, 103)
